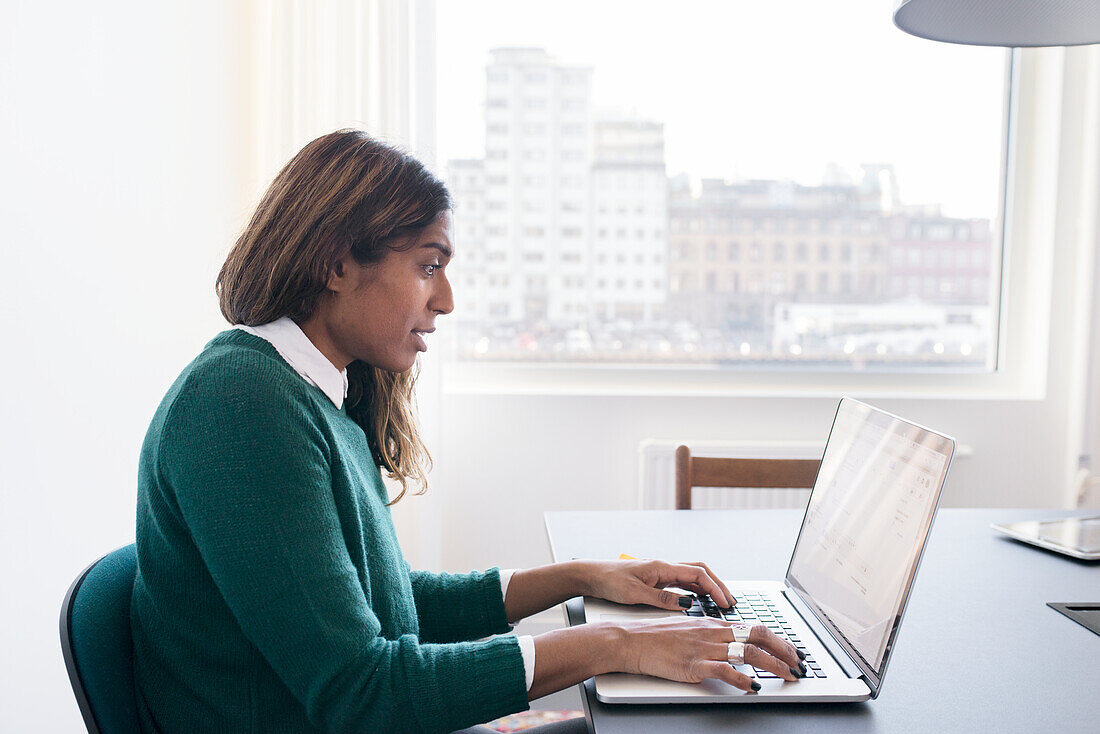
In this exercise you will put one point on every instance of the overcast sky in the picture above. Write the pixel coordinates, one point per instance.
(754, 90)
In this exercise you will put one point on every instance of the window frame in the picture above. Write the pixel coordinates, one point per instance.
(1026, 227)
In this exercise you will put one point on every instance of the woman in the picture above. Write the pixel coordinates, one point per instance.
(271, 594)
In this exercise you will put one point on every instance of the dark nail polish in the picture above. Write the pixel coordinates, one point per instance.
(802, 667)
(801, 655)
(794, 672)
(685, 602)
(755, 686)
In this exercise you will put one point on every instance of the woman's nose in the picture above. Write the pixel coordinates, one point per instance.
(443, 301)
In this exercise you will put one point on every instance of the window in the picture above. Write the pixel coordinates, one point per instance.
(819, 233)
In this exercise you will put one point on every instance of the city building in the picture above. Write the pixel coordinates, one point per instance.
(469, 276)
(628, 274)
(938, 259)
(536, 189)
(738, 249)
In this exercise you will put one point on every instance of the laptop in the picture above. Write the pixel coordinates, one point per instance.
(850, 574)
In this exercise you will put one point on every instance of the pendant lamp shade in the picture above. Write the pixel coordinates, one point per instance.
(1002, 22)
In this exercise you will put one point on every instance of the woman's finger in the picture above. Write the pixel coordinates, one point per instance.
(723, 671)
(767, 640)
(757, 658)
(701, 590)
(661, 598)
(705, 584)
(718, 581)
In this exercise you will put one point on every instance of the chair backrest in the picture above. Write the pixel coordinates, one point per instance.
(97, 646)
(709, 471)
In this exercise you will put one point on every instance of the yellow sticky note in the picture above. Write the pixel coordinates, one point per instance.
(625, 557)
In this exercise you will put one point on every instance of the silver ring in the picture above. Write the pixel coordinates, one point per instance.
(741, 631)
(735, 653)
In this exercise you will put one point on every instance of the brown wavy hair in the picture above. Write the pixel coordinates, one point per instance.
(345, 192)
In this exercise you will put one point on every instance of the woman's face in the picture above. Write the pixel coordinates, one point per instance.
(379, 313)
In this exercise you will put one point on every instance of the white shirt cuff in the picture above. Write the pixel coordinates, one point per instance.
(505, 579)
(526, 642)
(527, 648)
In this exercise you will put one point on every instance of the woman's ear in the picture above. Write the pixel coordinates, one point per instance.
(339, 276)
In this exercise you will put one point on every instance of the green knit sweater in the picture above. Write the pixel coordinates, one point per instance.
(271, 594)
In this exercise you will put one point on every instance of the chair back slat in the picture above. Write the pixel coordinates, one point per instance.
(709, 471)
(753, 473)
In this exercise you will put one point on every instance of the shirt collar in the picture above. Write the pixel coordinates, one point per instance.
(294, 346)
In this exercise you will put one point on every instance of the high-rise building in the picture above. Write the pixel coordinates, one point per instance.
(537, 186)
(629, 268)
(470, 280)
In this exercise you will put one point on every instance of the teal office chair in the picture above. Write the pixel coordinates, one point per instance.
(96, 643)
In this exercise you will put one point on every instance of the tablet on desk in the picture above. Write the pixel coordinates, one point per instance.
(1074, 536)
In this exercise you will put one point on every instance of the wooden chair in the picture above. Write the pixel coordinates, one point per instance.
(700, 471)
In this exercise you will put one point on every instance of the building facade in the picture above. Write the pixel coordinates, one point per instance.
(629, 271)
(738, 249)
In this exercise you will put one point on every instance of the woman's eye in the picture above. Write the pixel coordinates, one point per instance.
(430, 269)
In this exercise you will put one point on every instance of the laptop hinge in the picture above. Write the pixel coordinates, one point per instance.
(842, 658)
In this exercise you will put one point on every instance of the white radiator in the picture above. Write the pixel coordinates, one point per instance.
(657, 474)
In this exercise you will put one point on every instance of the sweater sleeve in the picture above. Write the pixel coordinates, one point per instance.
(250, 470)
(452, 607)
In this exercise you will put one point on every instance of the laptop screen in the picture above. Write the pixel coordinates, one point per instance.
(866, 523)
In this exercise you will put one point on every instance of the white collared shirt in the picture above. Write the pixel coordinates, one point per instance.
(294, 346)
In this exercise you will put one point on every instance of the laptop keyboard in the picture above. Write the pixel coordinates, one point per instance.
(754, 608)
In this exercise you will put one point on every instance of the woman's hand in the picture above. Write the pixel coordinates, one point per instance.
(645, 582)
(688, 649)
(692, 649)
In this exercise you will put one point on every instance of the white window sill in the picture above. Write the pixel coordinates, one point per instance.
(626, 380)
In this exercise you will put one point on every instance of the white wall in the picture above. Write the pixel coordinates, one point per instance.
(119, 196)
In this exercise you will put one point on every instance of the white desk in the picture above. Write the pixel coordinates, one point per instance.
(978, 651)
